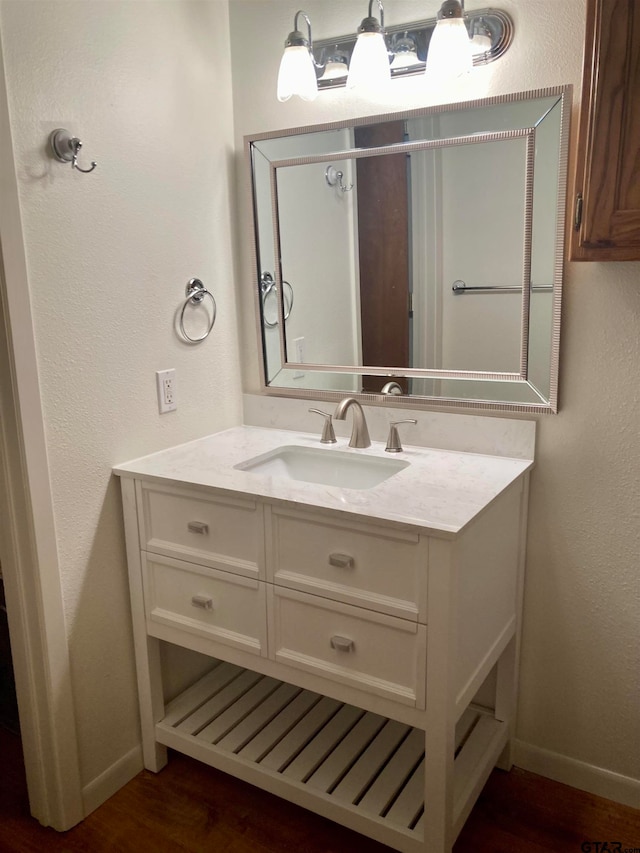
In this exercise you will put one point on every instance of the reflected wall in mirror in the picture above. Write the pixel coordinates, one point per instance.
(424, 247)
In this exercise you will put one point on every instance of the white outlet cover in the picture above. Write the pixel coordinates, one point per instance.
(166, 401)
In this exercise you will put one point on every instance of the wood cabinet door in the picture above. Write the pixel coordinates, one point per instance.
(608, 162)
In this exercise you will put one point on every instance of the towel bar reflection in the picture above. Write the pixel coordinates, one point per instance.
(196, 292)
(459, 287)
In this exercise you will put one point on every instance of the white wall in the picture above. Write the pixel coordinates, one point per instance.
(580, 690)
(146, 86)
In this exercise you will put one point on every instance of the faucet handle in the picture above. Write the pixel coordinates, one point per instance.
(328, 435)
(393, 442)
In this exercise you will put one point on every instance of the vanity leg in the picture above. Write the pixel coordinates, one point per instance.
(508, 671)
(152, 708)
(506, 699)
(438, 794)
(440, 727)
(147, 649)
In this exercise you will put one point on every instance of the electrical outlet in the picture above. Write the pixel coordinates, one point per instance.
(298, 344)
(166, 387)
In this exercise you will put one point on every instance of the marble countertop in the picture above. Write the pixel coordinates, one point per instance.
(439, 492)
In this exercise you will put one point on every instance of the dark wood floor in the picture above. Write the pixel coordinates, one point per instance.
(191, 808)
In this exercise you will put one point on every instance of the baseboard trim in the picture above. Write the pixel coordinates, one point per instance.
(106, 784)
(544, 762)
(578, 774)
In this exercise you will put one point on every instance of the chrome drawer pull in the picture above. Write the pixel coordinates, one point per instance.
(198, 527)
(342, 644)
(342, 561)
(202, 601)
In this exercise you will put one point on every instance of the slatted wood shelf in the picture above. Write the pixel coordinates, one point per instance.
(350, 765)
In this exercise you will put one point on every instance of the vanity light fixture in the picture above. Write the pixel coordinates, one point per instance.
(369, 66)
(489, 33)
(297, 75)
(449, 54)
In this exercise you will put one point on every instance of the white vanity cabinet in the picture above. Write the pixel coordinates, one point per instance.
(361, 667)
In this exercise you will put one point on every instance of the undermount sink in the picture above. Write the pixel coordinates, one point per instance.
(326, 467)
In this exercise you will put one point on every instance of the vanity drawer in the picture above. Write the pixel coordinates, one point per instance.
(371, 651)
(223, 607)
(221, 533)
(383, 569)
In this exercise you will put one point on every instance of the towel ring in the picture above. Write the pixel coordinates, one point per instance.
(267, 286)
(196, 292)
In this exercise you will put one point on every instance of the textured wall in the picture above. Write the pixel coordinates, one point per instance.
(580, 689)
(146, 86)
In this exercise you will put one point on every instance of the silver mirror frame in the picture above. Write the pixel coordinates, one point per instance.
(415, 401)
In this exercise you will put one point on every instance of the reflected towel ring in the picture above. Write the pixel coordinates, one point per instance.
(196, 292)
(267, 286)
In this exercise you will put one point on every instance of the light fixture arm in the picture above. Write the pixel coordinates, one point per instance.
(370, 24)
(296, 37)
(381, 8)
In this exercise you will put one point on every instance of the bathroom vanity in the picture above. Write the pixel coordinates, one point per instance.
(363, 640)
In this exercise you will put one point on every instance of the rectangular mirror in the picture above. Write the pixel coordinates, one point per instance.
(422, 248)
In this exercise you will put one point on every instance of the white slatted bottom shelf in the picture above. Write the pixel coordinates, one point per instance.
(352, 766)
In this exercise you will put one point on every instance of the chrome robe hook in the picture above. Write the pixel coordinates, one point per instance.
(65, 148)
(334, 178)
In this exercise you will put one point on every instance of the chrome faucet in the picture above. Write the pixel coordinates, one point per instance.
(359, 431)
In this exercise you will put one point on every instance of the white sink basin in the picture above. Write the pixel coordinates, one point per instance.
(327, 467)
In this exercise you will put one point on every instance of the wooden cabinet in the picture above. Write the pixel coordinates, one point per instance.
(363, 669)
(606, 225)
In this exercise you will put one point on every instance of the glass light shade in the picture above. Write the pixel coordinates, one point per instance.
(406, 59)
(449, 50)
(405, 53)
(297, 75)
(369, 66)
(480, 43)
(335, 69)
